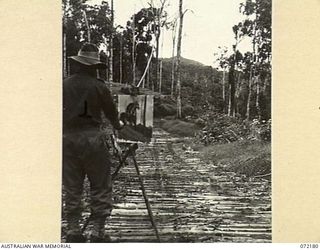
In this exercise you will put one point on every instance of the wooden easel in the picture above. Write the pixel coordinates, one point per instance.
(131, 152)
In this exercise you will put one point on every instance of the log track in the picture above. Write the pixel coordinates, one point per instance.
(191, 201)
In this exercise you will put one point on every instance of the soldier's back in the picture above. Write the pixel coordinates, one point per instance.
(81, 102)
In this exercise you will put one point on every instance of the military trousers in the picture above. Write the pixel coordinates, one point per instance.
(85, 154)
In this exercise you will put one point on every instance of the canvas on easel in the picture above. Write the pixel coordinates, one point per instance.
(137, 114)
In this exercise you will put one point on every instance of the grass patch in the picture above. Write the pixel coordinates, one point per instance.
(178, 127)
(251, 158)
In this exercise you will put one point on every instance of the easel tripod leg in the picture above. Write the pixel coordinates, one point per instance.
(145, 196)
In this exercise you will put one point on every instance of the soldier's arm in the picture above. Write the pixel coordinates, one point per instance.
(109, 107)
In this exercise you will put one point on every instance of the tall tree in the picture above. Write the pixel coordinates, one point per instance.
(173, 27)
(87, 26)
(249, 70)
(134, 50)
(119, 53)
(73, 28)
(120, 59)
(257, 26)
(160, 20)
(233, 61)
(128, 52)
(86, 23)
(181, 14)
(111, 44)
(160, 76)
(100, 25)
(222, 59)
(74, 25)
(145, 26)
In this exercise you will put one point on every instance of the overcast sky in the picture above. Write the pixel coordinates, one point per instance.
(209, 26)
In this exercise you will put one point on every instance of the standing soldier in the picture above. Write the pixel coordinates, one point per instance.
(85, 99)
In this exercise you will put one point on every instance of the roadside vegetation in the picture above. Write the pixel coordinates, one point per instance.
(232, 143)
(249, 156)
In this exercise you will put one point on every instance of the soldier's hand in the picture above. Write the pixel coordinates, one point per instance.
(121, 124)
(118, 125)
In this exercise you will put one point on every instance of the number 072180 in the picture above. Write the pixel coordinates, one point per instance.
(309, 245)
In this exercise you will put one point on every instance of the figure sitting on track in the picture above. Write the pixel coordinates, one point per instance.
(84, 99)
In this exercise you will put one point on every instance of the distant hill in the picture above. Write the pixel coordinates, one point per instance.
(185, 61)
(200, 83)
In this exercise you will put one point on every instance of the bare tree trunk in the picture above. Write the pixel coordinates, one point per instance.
(249, 95)
(231, 90)
(179, 112)
(161, 65)
(152, 81)
(256, 61)
(224, 89)
(157, 61)
(120, 77)
(265, 83)
(148, 78)
(237, 93)
(229, 101)
(154, 85)
(258, 98)
(89, 36)
(160, 77)
(252, 72)
(158, 15)
(146, 69)
(107, 61)
(172, 77)
(111, 45)
(173, 64)
(133, 52)
(231, 109)
(87, 24)
(68, 67)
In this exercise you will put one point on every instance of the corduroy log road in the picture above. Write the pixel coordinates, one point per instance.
(191, 200)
